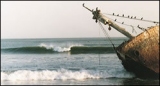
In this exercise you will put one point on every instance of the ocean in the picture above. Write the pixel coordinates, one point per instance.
(64, 61)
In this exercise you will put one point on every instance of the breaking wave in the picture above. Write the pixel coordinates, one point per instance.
(73, 49)
(42, 48)
(57, 48)
(62, 74)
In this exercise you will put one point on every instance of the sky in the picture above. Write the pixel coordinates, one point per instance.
(68, 19)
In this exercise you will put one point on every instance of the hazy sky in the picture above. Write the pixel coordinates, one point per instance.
(68, 19)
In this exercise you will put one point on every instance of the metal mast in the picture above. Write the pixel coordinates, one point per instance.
(97, 15)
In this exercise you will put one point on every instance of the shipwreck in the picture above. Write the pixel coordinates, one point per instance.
(140, 54)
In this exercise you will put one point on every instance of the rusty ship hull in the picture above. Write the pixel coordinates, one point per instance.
(140, 54)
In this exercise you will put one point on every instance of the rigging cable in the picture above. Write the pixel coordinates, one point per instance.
(133, 30)
(99, 51)
(106, 34)
(143, 29)
(130, 26)
(133, 18)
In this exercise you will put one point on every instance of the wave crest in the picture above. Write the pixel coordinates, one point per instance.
(42, 48)
(58, 48)
(62, 74)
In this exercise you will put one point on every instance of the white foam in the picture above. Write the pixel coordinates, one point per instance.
(59, 48)
(62, 74)
(46, 46)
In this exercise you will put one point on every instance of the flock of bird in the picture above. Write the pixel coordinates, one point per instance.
(128, 16)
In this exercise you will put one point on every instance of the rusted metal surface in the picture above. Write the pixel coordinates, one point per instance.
(143, 52)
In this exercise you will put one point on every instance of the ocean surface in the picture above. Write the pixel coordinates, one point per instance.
(64, 61)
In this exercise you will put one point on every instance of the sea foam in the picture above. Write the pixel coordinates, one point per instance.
(62, 74)
(59, 48)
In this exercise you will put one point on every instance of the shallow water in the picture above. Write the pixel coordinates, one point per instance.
(20, 66)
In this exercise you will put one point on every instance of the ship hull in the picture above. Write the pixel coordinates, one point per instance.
(140, 54)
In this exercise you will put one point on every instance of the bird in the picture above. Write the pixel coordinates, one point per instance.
(131, 17)
(141, 18)
(115, 19)
(122, 22)
(113, 13)
(96, 21)
(123, 15)
(135, 17)
(109, 28)
(138, 26)
(118, 15)
(128, 16)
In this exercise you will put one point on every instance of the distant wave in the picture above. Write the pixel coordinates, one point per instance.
(63, 74)
(27, 50)
(42, 48)
(85, 49)
(73, 49)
